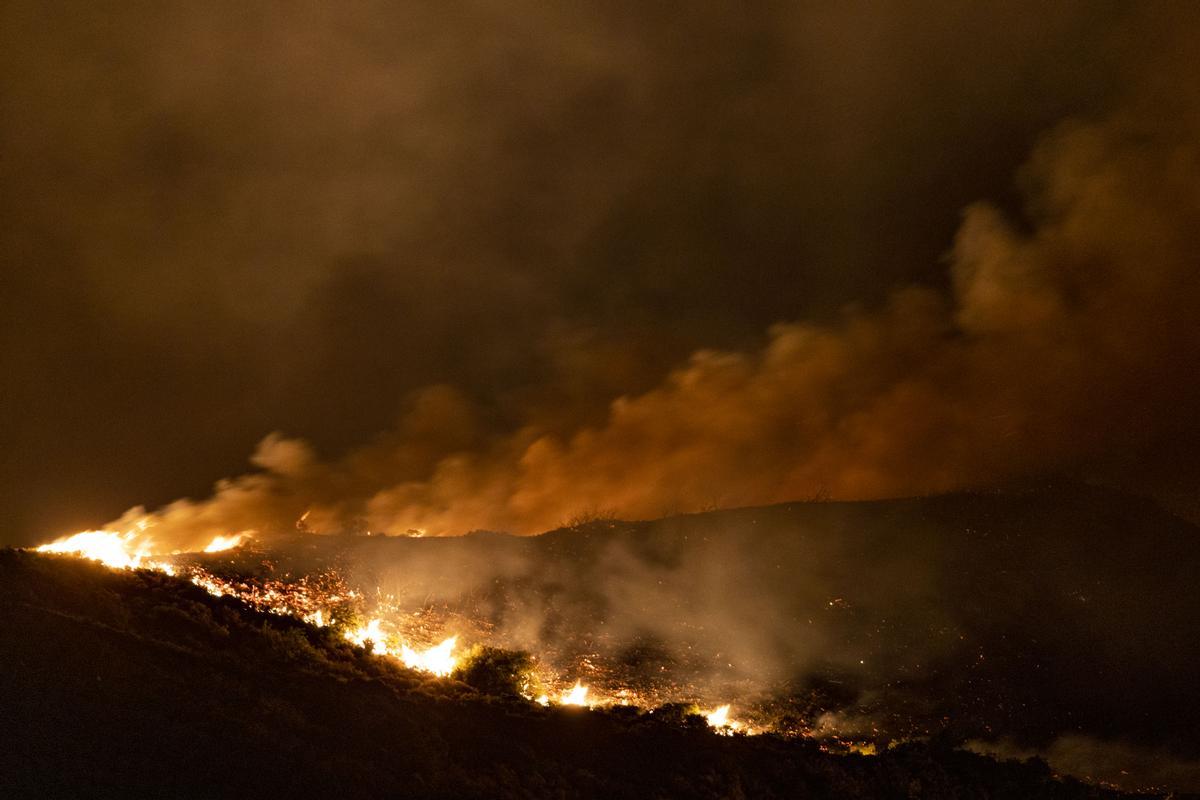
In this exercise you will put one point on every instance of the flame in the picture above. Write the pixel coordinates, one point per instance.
(577, 696)
(372, 632)
(220, 543)
(128, 550)
(108, 547)
(439, 660)
(719, 720)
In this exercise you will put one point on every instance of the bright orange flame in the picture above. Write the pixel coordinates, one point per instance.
(577, 696)
(128, 550)
(108, 547)
(372, 632)
(719, 719)
(220, 543)
(439, 660)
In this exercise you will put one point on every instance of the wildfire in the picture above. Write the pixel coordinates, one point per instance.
(321, 600)
(718, 719)
(371, 632)
(438, 660)
(577, 696)
(113, 549)
(224, 543)
(128, 550)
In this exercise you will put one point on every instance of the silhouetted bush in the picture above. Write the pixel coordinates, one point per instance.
(683, 715)
(497, 672)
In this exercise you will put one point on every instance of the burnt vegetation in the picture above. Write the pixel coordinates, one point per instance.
(138, 683)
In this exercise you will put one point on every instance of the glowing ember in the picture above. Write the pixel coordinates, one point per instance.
(576, 697)
(209, 585)
(108, 547)
(224, 543)
(438, 660)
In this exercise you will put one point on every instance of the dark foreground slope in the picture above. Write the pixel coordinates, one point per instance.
(136, 684)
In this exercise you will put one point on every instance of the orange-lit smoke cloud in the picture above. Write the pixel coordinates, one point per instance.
(1064, 341)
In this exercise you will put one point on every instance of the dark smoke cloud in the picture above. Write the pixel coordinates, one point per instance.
(228, 220)
(1064, 343)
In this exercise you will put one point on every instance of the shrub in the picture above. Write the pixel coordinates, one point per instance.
(495, 671)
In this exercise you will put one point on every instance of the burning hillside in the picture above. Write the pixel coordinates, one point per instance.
(862, 627)
(183, 694)
(370, 620)
(772, 399)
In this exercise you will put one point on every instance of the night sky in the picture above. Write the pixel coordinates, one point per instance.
(857, 251)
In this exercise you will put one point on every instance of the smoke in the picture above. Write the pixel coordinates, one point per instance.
(959, 617)
(537, 213)
(230, 220)
(1064, 343)
(1115, 763)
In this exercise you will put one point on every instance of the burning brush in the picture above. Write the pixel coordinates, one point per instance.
(326, 601)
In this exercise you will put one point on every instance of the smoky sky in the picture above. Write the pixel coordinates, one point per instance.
(416, 237)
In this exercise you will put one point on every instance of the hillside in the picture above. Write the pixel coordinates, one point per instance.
(137, 683)
(1026, 616)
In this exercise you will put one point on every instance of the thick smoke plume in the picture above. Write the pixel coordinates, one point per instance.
(229, 219)
(1065, 342)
